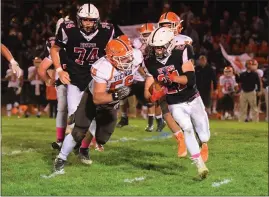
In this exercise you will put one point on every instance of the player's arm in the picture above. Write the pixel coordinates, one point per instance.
(100, 96)
(42, 71)
(188, 77)
(14, 65)
(148, 83)
(60, 42)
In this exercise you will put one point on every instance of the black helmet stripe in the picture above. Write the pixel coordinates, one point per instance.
(165, 15)
(155, 33)
(123, 43)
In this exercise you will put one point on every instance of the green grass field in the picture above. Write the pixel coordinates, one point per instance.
(238, 158)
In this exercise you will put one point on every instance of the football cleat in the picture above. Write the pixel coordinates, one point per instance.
(59, 164)
(149, 128)
(201, 167)
(84, 156)
(99, 147)
(161, 125)
(123, 122)
(182, 149)
(56, 145)
(204, 152)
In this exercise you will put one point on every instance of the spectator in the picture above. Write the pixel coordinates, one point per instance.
(251, 47)
(264, 49)
(205, 75)
(249, 80)
(194, 35)
(228, 87)
(238, 48)
(37, 86)
(52, 100)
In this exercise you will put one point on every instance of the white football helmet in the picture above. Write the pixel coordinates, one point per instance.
(162, 38)
(88, 12)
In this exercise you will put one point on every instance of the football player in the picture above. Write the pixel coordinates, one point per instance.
(84, 42)
(13, 91)
(174, 69)
(13, 64)
(112, 78)
(139, 83)
(43, 71)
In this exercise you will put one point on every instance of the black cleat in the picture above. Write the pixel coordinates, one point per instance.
(149, 128)
(56, 145)
(59, 164)
(123, 122)
(160, 126)
(84, 156)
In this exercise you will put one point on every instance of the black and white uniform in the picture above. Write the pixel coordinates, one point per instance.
(37, 86)
(82, 51)
(61, 118)
(184, 101)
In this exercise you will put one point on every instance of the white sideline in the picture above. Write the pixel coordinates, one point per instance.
(217, 184)
(16, 152)
(133, 180)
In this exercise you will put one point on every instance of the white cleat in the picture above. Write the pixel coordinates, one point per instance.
(201, 167)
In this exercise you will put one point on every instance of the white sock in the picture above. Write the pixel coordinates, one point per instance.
(68, 145)
(151, 115)
(144, 107)
(176, 133)
(159, 116)
(8, 113)
(191, 142)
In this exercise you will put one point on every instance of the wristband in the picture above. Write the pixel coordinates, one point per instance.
(59, 69)
(115, 96)
(12, 61)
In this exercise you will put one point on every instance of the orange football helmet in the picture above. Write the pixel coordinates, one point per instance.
(125, 39)
(171, 20)
(120, 54)
(228, 71)
(145, 31)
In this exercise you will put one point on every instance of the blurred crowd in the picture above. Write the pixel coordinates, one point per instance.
(240, 27)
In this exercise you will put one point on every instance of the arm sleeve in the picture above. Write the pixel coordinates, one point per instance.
(188, 53)
(99, 72)
(61, 37)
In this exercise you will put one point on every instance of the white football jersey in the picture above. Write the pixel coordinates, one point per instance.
(181, 40)
(104, 72)
(14, 82)
(32, 70)
(228, 84)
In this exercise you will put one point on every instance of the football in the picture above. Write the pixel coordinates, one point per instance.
(155, 85)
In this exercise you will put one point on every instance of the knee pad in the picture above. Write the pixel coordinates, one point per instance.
(78, 134)
(204, 137)
(150, 104)
(9, 107)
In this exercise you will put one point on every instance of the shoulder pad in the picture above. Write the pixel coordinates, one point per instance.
(102, 69)
(105, 25)
(138, 57)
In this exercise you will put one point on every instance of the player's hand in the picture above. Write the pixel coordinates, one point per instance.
(121, 93)
(15, 68)
(18, 91)
(64, 77)
(158, 94)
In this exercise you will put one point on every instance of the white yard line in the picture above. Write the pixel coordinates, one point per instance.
(136, 179)
(52, 175)
(218, 184)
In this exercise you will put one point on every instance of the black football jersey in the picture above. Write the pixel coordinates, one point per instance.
(82, 50)
(177, 93)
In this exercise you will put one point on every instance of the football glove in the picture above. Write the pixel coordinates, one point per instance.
(158, 94)
(121, 93)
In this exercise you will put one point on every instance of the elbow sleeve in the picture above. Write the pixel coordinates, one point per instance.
(191, 78)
